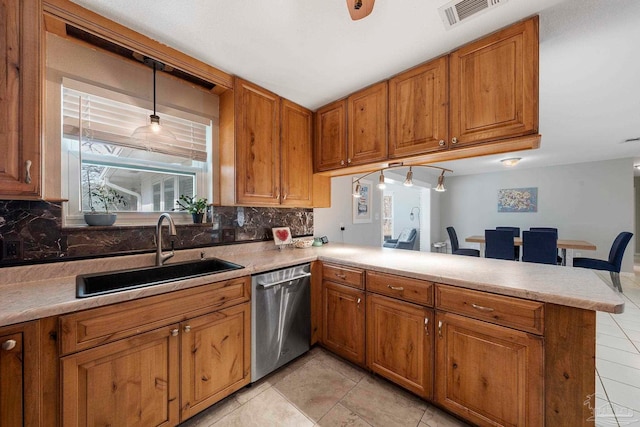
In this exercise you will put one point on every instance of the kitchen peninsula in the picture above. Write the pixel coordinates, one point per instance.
(538, 319)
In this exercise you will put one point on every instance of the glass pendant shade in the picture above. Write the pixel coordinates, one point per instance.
(408, 182)
(440, 187)
(154, 132)
(381, 184)
(356, 191)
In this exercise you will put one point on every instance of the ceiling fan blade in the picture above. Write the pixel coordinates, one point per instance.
(359, 9)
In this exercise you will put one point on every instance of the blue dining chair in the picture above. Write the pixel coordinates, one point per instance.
(516, 233)
(498, 244)
(613, 264)
(549, 230)
(540, 247)
(456, 249)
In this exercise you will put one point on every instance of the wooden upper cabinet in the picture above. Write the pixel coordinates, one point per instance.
(494, 86)
(367, 125)
(20, 95)
(418, 110)
(296, 155)
(330, 148)
(257, 145)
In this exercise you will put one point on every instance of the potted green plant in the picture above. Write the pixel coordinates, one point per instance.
(194, 205)
(105, 197)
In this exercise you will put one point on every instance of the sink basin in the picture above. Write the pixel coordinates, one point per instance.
(88, 285)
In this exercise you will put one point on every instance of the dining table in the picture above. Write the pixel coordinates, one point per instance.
(563, 245)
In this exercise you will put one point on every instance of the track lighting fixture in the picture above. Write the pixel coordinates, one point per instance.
(407, 182)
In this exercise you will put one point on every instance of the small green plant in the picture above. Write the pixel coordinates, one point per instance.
(193, 205)
(106, 197)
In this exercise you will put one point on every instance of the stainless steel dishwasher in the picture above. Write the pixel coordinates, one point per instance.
(280, 318)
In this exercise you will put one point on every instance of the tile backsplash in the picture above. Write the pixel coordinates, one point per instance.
(32, 232)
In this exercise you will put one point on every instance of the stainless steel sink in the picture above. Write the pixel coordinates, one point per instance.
(88, 285)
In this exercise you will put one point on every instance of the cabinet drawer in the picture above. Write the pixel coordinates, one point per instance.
(507, 311)
(404, 288)
(347, 276)
(97, 326)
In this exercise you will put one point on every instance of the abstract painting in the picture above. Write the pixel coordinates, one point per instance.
(518, 199)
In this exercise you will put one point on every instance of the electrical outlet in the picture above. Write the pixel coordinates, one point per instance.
(342, 226)
(12, 249)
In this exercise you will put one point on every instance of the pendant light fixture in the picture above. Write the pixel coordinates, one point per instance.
(440, 187)
(153, 131)
(408, 182)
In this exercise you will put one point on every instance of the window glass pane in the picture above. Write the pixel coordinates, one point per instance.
(169, 196)
(156, 197)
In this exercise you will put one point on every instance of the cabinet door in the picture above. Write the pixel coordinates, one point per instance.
(216, 357)
(11, 383)
(296, 155)
(400, 343)
(343, 321)
(494, 86)
(330, 149)
(20, 88)
(367, 123)
(418, 110)
(131, 382)
(257, 145)
(489, 374)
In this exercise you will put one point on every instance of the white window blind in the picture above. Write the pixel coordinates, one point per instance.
(104, 120)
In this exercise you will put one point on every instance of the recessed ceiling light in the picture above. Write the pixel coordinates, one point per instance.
(511, 161)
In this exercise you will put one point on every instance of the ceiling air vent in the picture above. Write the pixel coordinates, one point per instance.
(456, 11)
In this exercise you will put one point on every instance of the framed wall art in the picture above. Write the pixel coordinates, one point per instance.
(362, 205)
(518, 199)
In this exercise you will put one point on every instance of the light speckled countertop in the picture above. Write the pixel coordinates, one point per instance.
(37, 291)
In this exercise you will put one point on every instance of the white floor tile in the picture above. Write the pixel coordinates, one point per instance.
(622, 394)
(619, 343)
(618, 356)
(613, 330)
(618, 372)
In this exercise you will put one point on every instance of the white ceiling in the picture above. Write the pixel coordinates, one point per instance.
(312, 53)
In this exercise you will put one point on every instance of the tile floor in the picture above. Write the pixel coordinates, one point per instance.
(320, 389)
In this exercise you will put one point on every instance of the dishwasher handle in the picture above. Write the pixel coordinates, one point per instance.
(271, 284)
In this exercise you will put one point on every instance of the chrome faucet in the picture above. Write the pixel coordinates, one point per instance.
(160, 257)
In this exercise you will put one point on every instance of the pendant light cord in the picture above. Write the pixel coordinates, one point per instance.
(154, 88)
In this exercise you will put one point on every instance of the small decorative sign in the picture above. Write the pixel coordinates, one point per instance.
(282, 235)
(361, 206)
(518, 199)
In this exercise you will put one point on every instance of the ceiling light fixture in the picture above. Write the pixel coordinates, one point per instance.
(512, 161)
(153, 131)
(381, 179)
(408, 182)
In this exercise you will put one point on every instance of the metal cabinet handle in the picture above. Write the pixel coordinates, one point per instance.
(187, 328)
(441, 143)
(358, 302)
(9, 345)
(341, 276)
(426, 325)
(341, 162)
(481, 308)
(454, 140)
(174, 332)
(440, 328)
(349, 161)
(27, 173)
(284, 197)
(396, 288)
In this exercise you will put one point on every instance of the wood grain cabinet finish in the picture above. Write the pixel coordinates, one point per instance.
(344, 275)
(20, 96)
(488, 374)
(330, 147)
(343, 320)
(19, 375)
(132, 382)
(296, 155)
(400, 343)
(367, 125)
(418, 110)
(403, 288)
(494, 86)
(257, 145)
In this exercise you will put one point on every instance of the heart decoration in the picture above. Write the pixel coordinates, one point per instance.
(282, 235)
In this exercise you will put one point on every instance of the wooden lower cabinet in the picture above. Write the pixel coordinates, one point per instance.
(400, 343)
(343, 321)
(19, 385)
(160, 377)
(216, 357)
(488, 374)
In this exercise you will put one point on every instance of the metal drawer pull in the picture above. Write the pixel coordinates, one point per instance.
(174, 332)
(279, 282)
(341, 276)
(27, 173)
(440, 328)
(358, 302)
(481, 308)
(396, 288)
(9, 345)
(426, 325)
(187, 328)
